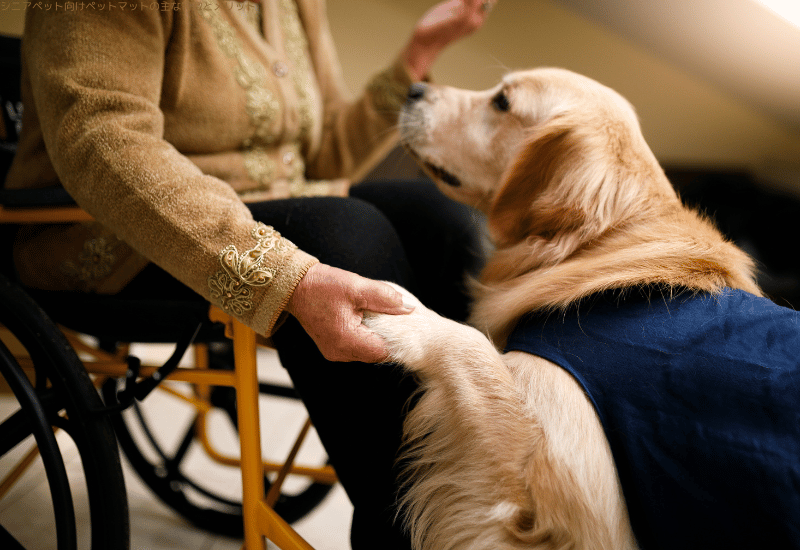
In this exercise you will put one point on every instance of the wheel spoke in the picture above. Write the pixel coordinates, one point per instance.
(224, 398)
(175, 462)
(172, 478)
(278, 390)
(17, 427)
(137, 410)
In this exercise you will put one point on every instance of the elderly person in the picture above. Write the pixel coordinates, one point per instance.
(215, 146)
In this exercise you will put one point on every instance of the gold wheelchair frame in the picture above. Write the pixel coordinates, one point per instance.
(261, 522)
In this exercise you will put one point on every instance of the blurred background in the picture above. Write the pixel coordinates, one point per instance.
(716, 83)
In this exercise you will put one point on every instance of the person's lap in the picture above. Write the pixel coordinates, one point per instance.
(404, 232)
(441, 238)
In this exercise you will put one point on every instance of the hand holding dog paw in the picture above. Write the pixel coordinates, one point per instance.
(408, 338)
(330, 305)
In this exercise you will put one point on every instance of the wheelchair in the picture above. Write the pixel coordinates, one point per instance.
(70, 362)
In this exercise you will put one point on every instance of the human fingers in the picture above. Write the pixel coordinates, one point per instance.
(342, 337)
(451, 20)
(363, 345)
(380, 297)
(330, 305)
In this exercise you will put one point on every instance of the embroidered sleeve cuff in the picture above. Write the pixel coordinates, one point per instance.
(270, 312)
(255, 285)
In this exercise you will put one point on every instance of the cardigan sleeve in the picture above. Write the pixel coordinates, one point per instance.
(96, 83)
(356, 133)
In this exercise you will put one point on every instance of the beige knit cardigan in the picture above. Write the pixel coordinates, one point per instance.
(162, 120)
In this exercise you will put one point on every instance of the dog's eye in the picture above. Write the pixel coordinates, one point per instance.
(500, 102)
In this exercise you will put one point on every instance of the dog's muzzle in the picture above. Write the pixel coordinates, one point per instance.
(416, 92)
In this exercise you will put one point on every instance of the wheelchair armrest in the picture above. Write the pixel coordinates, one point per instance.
(45, 205)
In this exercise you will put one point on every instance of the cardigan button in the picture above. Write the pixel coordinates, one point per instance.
(288, 157)
(280, 69)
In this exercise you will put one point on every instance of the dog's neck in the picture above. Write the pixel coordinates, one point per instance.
(677, 249)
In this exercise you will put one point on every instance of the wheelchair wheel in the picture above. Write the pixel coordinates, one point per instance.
(59, 394)
(173, 463)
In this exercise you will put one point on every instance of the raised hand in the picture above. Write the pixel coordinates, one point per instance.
(442, 25)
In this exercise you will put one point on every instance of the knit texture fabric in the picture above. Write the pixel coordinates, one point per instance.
(161, 122)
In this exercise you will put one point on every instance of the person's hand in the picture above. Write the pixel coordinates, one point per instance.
(330, 305)
(443, 24)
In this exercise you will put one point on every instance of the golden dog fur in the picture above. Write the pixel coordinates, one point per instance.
(505, 450)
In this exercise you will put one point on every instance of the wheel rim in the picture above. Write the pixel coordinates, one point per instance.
(32, 414)
(63, 386)
(164, 473)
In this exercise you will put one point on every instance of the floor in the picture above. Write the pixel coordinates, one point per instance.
(26, 510)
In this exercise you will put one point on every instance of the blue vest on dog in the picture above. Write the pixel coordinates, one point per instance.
(699, 397)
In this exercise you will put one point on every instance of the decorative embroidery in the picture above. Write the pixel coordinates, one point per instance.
(296, 45)
(310, 188)
(387, 92)
(261, 105)
(260, 167)
(232, 286)
(294, 165)
(14, 112)
(95, 261)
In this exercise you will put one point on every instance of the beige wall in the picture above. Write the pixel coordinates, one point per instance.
(11, 21)
(685, 120)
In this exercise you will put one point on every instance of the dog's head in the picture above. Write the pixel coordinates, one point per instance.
(548, 154)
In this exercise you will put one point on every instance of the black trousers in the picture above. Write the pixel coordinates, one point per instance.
(404, 232)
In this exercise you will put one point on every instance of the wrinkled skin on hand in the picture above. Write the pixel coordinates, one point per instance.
(330, 305)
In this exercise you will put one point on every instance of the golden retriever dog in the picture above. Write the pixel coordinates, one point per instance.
(507, 450)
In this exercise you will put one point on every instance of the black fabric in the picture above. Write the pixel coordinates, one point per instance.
(130, 319)
(441, 239)
(401, 232)
(10, 100)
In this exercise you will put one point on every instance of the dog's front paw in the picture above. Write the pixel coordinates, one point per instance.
(409, 338)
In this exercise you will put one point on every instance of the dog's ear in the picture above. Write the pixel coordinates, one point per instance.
(527, 205)
(571, 181)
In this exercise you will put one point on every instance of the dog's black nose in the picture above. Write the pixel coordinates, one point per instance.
(416, 92)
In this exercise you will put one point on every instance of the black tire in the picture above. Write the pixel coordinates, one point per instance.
(162, 466)
(61, 395)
